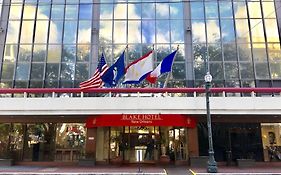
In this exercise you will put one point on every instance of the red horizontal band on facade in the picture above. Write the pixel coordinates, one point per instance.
(141, 120)
(138, 90)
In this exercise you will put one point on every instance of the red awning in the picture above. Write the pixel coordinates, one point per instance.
(141, 120)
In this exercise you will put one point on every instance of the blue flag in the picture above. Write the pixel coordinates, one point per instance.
(115, 72)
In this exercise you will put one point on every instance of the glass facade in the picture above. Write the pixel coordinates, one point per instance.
(56, 43)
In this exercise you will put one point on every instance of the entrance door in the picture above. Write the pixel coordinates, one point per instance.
(177, 144)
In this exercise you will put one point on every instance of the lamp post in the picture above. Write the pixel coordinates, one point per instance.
(212, 164)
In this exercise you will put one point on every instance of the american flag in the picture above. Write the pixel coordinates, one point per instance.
(95, 81)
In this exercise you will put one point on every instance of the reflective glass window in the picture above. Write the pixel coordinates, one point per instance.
(162, 11)
(27, 31)
(41, 32)
(246, 70)
(240, 9)
(13, 32)
(43, 12)
(271, 30)
(177, 31)
(257, 30)
(10, 53)
(198, 31)
(83, 53)
(69, 53)
(275, 69)
(244, 51)
(268, 10)
(214, 51)
(106, 31)
(106, 11)
(148, 31)
(57, 11)
(85, 11)
(197, 10)
(242, 31)
(71, 11)
(67, 71)
(229, 52)
(120, 31)
(120, 11)
(134, 11)
(81, 72)
(225, 9)
(22, 71)
(262, 70)
(39, 53)
(259, 52)
(25, 53)
(213, 31)
(216, 70)
(8, 71)
(84, 32)
(148, 10)
(29, 12)
(227, 30)
(52, 71)
(70, 32)
(274, 51)
(37, 71)
(211, 9)
(54, 54)
(254, 9)
(15, 11)
(176, 11)
(231, 70)
(162, 31)
(134, 31)
(55, 33)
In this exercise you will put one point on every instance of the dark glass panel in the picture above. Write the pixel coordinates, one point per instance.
(21, 84)
(69, 53)
(13, 32)
(225, 9)
(51, 84)
(148, 10)
(7, 71)
(229, 52)
(214, 51)
(83, 53)
(36, 84)
(211, 9)
(67, 71)
(244, 51)
(71, 11)
(70, 32)
(216, 70)
(27, 32)
(231, 70)
(134, 32)
(198, 31)
(262, 70)
(22, 71)
(66, 84)
(24, 53)
(37, 71)
(54, 54)
(52, 71)
(10, 53)
(39, 53)
(6, 84)
(85, 11)
(275, 69)
(148, 31)
(82, 71)
(246, 70)
(41, 32)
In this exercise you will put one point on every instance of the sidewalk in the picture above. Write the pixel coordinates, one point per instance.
(261, 168)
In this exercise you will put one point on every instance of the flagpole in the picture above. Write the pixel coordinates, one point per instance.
(169, 74)
(151, 84)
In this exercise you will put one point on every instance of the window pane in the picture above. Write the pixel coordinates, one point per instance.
(83, 52)
(7, 71)
(29, 12)
(84, 32)
(10, 53)
(148, 10)
(39, 53)
(176, 10)
(259, 52)
(162, 35)
(43, 12)
(37, 71)
(197, 10)
(120, 11)
(246, 70)
(275, 69)
(244, 51)
(231, 70)
(22, 71)
(213, 31)
(262, 70)
(13, 32)
(69, 53)
(82, 71)
(225, 9)
(227, 30)
(271, 30)
(257, 30)
(55, 34)
(85, 11)
(71, 11)
(254, 9)
(211, 9)
(106, 11)
(70, 29)
(229, 52)
(198, 31)
(106, 31)
(134, 11)
(214, 52)
(67, 71)
(27, 32)
(216, 70)
(240, 9)
(41, 32)
(148, 31)
(274, 51)
(268, 10)
(162, 11)
(177, 31)
(134, 31)
(57, 11)
(25, 53)
(15, 11)
(54, 54)
(120, 31)
(52, 71)
(242, 29)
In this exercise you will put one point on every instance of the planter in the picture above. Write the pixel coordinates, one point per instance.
(245, 163)
(6, 162)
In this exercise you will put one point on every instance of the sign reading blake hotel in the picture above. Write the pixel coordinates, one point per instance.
(141, 120)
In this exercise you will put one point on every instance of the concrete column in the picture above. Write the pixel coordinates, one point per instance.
(193, 146)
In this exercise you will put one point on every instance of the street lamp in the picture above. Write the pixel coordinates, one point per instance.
(212, 164)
